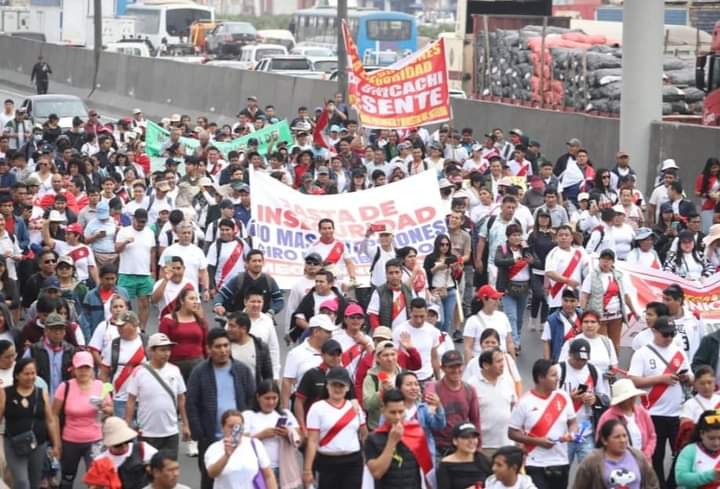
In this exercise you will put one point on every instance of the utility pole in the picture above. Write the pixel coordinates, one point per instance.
(97, 41)
(342, 55)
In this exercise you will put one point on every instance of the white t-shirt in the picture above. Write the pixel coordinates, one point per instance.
(82, 265)
(424, 338)
(697, 404)
(477, 323)
(523, 482)
(374, 307)
(226, 250)
(117, 460)
(258, 421)
(157, 413)
(558, 261)
(634, 431)
(657, 198)
(263, 328)
(242, 466)
(347, 343)
(127, 351)
(135, 257)
(172, 290)
(301, 359)
(573, 378)
(602, 355)
(645, 259)
(690, 331)
(323, 416)
(528, 411)
(623, 237)
(645, 363)
(192, 256)
(324, 249)
(377, 278)
(298, 291)
(496, 401)
(10, 245)
(104, 333)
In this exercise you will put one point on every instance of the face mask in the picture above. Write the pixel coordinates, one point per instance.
(37, 137)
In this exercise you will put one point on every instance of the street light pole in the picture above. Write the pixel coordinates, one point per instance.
(342, 55)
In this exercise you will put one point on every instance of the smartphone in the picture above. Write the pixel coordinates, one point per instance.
(236, 432)
(281, 422)
(378, 228)
(675, 225)
(682, 372)
(582, 388)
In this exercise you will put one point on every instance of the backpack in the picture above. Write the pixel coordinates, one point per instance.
(237, 303)
(115, 353)
(132, 472)
(586, 237)
(602, 403)
(376, 258)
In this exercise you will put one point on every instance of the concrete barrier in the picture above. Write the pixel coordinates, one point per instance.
(162, 86)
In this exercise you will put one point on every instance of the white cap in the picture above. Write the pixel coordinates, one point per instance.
(55, 216)
(322, 321)
(159, 339)
(583, 196)
(619, 209)
(668, 164)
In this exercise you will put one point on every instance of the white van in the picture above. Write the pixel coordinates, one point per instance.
(251, 54)
(277, 36)
(169, 22)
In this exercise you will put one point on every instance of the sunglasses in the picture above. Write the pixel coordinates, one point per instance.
(312, 262)
(670, 334)
(356, 316)
(47, 262)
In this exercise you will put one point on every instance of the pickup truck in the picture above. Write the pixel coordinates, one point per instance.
(289, 65)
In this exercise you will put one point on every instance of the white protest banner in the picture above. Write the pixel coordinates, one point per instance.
(646, 285)
(286, 221)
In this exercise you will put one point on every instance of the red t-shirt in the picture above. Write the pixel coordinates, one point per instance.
(707, 204)
(190, 337)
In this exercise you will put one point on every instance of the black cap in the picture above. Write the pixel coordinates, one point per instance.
(226, 204)
(314, 257)
(176, 217)
(170, 161)
(686, 235)
(331, 347)
(338, 375)
(140, 213)
(569, 293)
(580, 347)
(664, 324)
(451, 358)
(464, 429)
(253, 142)
(607, 214)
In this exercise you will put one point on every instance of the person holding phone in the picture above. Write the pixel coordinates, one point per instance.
(276, 428)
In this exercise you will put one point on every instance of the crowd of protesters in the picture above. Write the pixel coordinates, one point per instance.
(406, 381)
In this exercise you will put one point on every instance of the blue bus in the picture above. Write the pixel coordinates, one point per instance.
(381, 37)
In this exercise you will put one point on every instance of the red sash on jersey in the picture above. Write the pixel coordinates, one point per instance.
(398, 305)
(351, 354)
(579, 404)
(341, 423)
(655, 264)
(517, 267)
(335, 253)
(415, 440)
(658, 390)
(574, 329)
(170, 307)
(555, 289)
(548, 418)
(612, 291)
(137, 358)
(419, 283)
(79, 253)
(230, 263)
(523, 170)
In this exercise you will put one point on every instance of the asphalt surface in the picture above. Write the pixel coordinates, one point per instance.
(190, 475)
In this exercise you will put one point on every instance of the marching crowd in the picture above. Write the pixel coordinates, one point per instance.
(408, 381)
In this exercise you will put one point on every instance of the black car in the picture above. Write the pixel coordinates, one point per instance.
(227, 38)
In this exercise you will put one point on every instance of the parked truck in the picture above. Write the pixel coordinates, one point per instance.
(707, 78)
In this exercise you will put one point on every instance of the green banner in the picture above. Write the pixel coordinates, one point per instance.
(156, 136)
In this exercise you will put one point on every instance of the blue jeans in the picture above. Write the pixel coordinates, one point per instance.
(514, 308)
(448, 309)
(580, 450)
(119, 408)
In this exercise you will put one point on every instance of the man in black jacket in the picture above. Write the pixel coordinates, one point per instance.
(53, 351)
(249, 349)
(708, 352)
(310, 304)
(215, 386)
(41, 75)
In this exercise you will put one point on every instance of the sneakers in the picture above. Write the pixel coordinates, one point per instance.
(192, 449)
(457, 336)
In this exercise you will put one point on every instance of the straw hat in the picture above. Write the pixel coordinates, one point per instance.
(116, 432)
(624, 389)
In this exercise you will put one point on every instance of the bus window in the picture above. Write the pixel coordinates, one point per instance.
(388, 30)
(178, 20)
(147, 21)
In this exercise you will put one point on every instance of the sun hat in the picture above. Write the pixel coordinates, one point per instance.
(622, 390)
(116, 432)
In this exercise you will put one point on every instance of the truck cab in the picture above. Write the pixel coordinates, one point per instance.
(707, 78)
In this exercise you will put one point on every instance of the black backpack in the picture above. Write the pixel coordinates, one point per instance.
(115, 353)
(602, 403)
(132, 471)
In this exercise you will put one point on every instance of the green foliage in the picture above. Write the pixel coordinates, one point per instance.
(432, 31)
(264, 22)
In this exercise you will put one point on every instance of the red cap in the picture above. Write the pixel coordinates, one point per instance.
(74, 228)
(488, 291)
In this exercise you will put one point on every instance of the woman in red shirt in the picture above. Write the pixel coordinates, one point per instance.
(707, 186)
(188, 328)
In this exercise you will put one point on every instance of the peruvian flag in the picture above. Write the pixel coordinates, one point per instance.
(319, 136)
